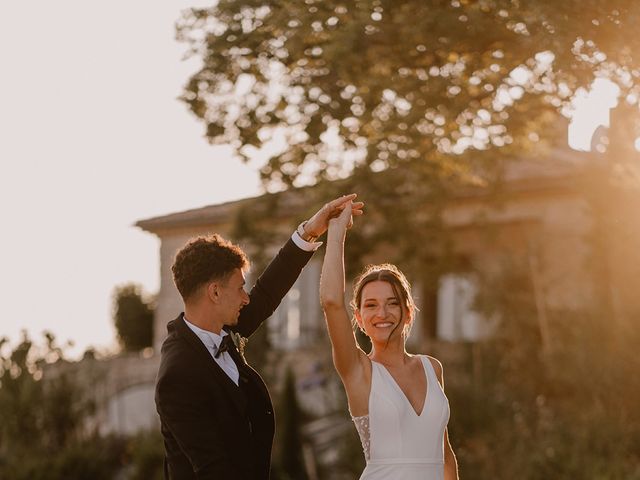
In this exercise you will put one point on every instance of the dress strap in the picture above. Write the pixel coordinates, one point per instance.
(429, 368)
(406, 461)
(431, 372)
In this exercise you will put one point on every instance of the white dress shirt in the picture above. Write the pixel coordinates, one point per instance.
(212, 340)
(303, 244)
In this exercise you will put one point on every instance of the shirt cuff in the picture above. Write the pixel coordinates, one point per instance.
(303, 244)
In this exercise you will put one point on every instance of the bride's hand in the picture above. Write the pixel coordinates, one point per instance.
(344, 221)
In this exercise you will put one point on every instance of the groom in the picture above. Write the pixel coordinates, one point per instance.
(215, 411)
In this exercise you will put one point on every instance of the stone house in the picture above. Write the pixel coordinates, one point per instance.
(543, 217)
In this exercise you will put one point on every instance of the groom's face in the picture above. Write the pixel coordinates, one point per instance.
(233, 296)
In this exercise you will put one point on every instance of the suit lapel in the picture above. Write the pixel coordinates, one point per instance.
(218, 379)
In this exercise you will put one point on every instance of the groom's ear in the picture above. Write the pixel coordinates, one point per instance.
(213, 291)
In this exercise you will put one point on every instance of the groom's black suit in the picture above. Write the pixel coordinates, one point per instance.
(212, 428)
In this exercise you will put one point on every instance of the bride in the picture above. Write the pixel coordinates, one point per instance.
(396, 399)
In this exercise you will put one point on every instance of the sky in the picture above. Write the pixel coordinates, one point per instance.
(93, 139)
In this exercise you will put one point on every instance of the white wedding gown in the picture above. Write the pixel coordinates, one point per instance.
(398, 443)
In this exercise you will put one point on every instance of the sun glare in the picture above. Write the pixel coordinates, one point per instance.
(590, 110)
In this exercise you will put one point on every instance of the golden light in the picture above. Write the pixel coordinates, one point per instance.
(591, 110)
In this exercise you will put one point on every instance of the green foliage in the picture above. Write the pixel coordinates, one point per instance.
(403, 102)
(289, 464)
(95, 458)
(35, 412)
(42, 434)
(133, 317)
(397, 83)
(564, 413)
(65, 409)
(145, 456)
(20, 418)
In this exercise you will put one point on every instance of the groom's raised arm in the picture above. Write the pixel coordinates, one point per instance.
(283, 271)
(272, 286)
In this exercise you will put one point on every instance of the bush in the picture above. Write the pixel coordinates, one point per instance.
(566, 412)
(145, 456)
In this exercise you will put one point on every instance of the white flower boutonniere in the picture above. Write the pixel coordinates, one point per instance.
(240, 342)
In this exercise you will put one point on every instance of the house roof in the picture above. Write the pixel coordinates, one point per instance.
(530, 174)
(289, 202)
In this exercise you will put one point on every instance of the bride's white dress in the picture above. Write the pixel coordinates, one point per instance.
(398, 443)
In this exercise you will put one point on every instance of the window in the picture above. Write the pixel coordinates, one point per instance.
(296, 322)
(456, 319)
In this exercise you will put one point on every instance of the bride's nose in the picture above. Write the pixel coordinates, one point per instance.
(381, 311)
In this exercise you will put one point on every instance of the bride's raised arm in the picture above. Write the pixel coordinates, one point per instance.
(346, 354)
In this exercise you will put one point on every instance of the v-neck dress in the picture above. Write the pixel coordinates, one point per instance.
(398, 443)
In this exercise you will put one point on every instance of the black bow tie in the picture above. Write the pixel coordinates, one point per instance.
(225, 346)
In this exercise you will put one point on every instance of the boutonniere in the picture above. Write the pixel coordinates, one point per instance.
(240, 342)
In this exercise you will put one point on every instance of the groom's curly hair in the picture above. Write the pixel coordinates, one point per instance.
(205, 259)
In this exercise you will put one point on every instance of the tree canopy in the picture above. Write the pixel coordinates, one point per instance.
(133, 317)
(335, 88)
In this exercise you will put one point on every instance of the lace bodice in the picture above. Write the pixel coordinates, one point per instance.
(362, 425)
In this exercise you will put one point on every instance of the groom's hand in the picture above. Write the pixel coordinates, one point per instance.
(319, 222)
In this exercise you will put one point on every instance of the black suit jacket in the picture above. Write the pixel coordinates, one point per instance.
(210, 430)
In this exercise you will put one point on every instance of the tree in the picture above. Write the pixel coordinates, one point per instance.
(401, 101)
(42, 420)
(355, 87)
(133, 317)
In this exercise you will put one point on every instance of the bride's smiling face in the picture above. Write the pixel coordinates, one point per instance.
(381, 313)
